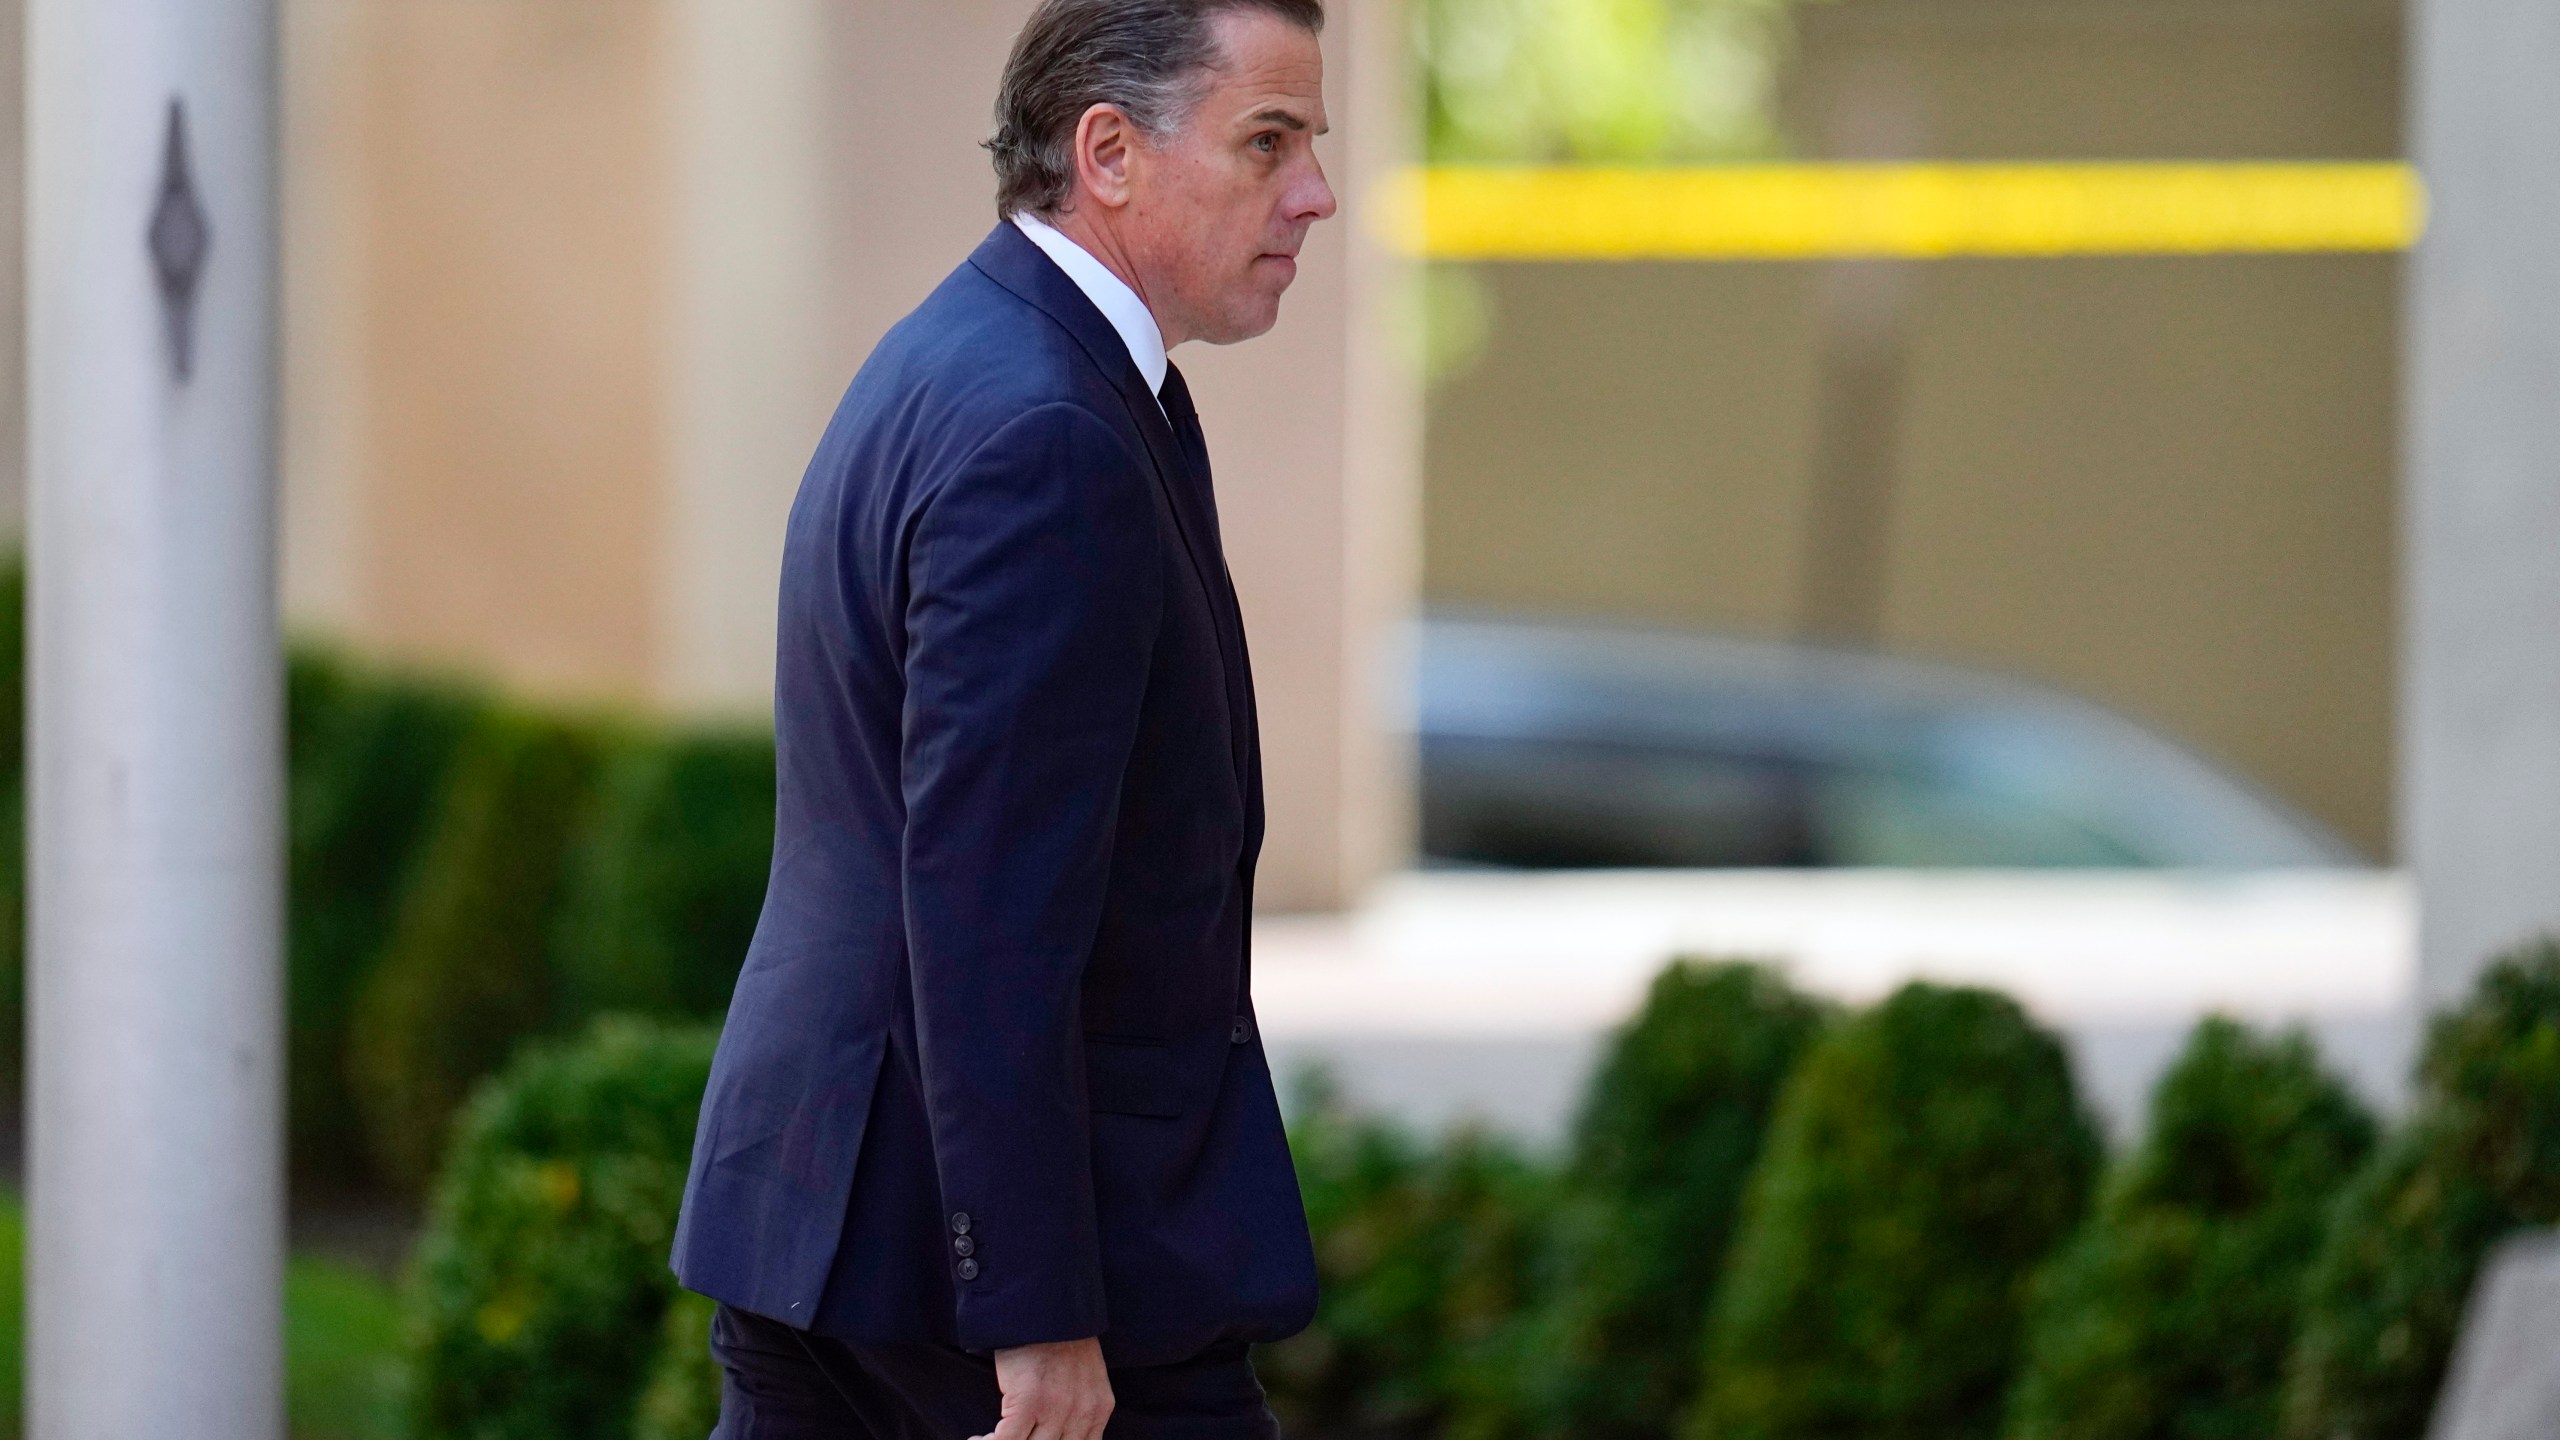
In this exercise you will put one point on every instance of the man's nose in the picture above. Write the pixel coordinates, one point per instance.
(1314, 200)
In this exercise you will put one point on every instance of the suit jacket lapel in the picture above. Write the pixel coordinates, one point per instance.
(1008, 257)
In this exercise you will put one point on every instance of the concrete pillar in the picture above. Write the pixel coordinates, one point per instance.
(156, 1212)
(749, 378)
(2480, 793)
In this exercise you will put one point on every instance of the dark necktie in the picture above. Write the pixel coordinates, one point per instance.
(1245, 734)
(1178, 409)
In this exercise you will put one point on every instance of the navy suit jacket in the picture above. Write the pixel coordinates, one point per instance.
(990, 1075)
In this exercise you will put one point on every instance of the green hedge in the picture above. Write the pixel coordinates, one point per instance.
(1927, 1155)
(1666, 1141)
(465, 875)
(1924, 1161)
(367, 757)
(2169, 1316)
(666, 887)
(2479, 1159)
(1423, 1253)
(542, 1281)
(469, 968)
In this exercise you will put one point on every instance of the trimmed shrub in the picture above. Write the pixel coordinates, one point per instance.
(1423, 1255)
(666, 889)
(541, 1284)
(1927, 1155)
(1667, 1139)
(366, 758)
(2169, 1316)
(468, 969)
(2479, 1159)
(682, 1398)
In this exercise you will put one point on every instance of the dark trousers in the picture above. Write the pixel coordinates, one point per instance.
(786, 1384)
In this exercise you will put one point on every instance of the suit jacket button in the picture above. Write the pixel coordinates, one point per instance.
(963, 1246)
(960, 1223)
(1239, 1032)
(968, 1269)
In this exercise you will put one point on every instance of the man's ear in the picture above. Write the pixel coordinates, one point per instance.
(1104, 138)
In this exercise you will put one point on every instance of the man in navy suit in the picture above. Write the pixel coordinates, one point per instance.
(990, 1146)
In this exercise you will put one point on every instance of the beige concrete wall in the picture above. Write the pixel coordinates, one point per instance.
(320, 235)
(2163, 483)
(575, 283)
(495, 248)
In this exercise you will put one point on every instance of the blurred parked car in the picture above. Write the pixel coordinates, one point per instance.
(1575, 746)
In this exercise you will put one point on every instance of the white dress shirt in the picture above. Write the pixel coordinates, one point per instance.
(1109, 293)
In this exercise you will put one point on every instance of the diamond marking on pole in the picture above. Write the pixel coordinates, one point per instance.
(180, 237)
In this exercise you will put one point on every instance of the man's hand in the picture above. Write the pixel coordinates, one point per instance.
(1058, 1391)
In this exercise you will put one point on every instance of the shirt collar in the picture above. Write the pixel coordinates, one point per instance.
(1109, 293)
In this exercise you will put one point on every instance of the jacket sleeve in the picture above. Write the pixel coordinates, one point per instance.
(1034, 587)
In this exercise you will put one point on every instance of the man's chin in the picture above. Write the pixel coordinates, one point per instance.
(1249, 323)
(1256, 311)
(1242, 333)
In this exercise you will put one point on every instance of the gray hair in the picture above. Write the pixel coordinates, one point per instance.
(1146, 57)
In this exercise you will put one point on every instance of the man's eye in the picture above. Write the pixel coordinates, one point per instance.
(1266, 143)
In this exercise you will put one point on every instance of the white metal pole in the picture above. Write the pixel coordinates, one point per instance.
(154, 1150)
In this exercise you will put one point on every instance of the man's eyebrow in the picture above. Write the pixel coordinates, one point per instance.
(1280, 117)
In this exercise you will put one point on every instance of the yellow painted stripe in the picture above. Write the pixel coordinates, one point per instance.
(1800, 212)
